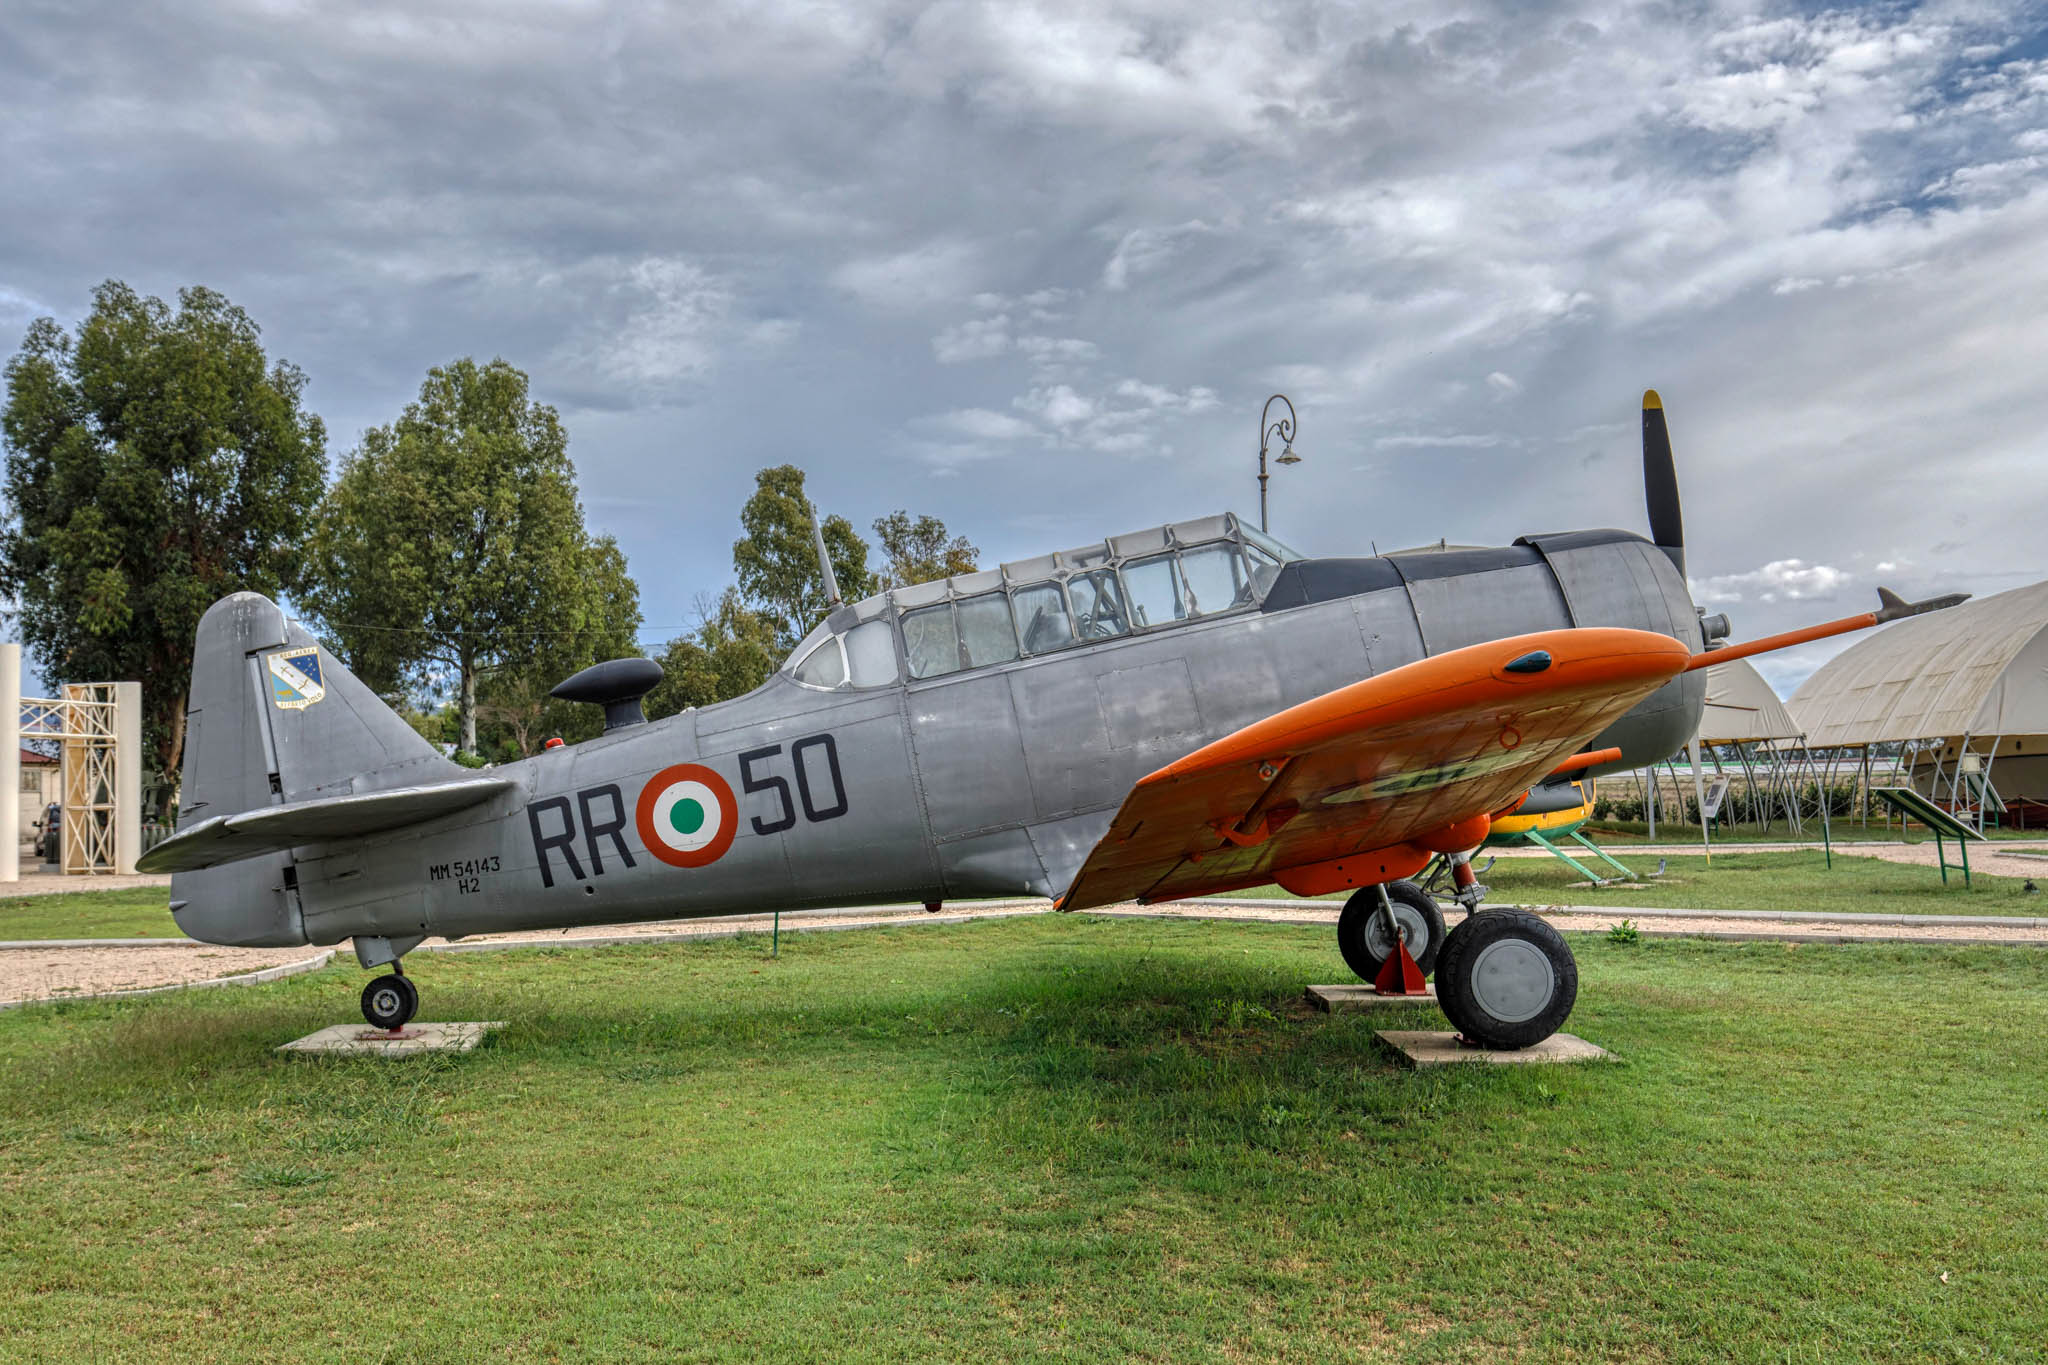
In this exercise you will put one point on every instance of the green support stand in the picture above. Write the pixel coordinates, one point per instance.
(1554, 851)
(1603, 855)
(1911, 805)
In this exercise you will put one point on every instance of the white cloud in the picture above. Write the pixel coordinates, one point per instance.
(1056, 351)
(658, 325)
(1144, 250)
(977, 424)
(1478, 440)
(974, 339)
(1057, 405)
(1788, 580)
(932, 273)
(1818, 233)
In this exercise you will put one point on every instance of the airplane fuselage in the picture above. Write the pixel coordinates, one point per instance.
(986, 781)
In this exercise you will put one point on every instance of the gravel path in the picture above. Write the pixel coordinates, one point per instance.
(36, 882)
(47, 973)
(1991, 859)
(51, 973)
(2003, 858)
(39, 973)
(1578, 919)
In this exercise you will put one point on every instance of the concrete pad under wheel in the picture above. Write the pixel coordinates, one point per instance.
(1431, 1048)
(363, 1041)
(1358, 996)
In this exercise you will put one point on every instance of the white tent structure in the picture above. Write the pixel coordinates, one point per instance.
(1742, 708)
(1962, 694)
(1746, 734)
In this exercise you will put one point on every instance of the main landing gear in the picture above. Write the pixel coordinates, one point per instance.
(1505, 978)
(1363, 938)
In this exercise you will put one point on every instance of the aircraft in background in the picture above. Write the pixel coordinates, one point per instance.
(1181, 711)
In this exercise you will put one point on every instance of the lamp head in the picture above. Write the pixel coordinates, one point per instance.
(1287, 455)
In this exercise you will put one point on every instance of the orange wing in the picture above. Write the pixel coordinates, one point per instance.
(1362, 784)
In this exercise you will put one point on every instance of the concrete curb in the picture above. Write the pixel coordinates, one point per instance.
(1733, 936)
(1004, 910)
(720, 930)
(1730, 935)
(911, 913)
(907, 914)
(1653, 912)
(255, 978)
(6, 944)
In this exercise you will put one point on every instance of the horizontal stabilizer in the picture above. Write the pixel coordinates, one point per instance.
(271, 829)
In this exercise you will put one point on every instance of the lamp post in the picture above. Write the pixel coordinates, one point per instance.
(1284, 429)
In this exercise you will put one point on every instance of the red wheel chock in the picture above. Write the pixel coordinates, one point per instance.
(1399, 975)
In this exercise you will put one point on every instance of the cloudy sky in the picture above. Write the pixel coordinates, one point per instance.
(1035, 266)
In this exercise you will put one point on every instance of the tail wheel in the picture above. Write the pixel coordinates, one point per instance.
(390, 1002)
(1362, 930)
(1506, 979)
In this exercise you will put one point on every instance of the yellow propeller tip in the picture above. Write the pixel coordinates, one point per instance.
(1651, 400)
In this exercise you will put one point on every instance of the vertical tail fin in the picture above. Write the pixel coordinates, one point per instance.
(273, 717)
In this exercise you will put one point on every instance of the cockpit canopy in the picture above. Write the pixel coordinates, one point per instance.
(1145, 581)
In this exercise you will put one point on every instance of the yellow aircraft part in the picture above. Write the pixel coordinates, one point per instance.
(1555, 822)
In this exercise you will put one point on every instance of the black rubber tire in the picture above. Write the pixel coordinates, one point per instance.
(390, 1002)
(1464, 998)
(1357, 928)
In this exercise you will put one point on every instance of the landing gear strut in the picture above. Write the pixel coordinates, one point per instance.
(1363, 937)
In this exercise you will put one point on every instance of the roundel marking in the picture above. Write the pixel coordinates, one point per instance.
(687, 816)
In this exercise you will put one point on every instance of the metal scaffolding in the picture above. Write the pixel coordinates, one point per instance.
(98, 730)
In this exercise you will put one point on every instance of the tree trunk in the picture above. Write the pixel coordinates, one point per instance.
(170, 753)
(468, 706)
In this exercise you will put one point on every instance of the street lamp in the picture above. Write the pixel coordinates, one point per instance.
(1284, 429)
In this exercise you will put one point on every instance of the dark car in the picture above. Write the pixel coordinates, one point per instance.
(47, 831)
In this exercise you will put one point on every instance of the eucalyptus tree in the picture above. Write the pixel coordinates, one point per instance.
(452, 547)
(156, 460)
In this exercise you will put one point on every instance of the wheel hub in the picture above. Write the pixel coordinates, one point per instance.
(1407, 920)
(1512, 980)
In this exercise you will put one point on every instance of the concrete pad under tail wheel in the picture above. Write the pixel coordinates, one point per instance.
(409, 1041)
(1507, 979)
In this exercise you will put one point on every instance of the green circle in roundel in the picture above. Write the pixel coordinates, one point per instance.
(687, 815)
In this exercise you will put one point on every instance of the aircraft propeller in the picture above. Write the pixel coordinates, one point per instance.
(1660, 482)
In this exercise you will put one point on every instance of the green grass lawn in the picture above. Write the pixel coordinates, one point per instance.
(1760, 881)
(142, 912)
(1778, 832)
(1051, 1137)
(1737, 881)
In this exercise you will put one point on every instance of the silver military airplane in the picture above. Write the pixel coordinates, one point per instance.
(1185, 710)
